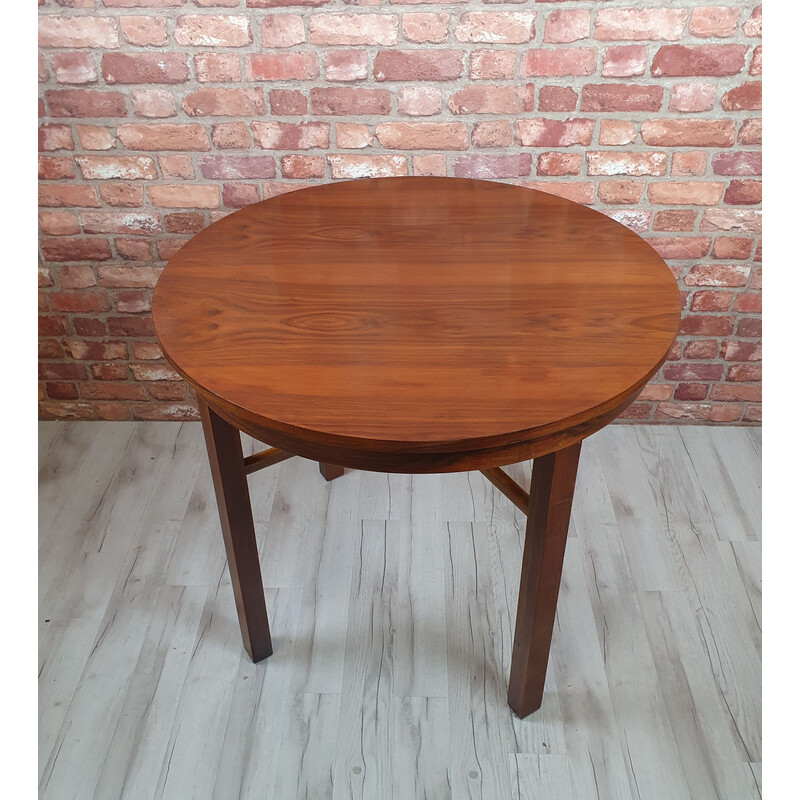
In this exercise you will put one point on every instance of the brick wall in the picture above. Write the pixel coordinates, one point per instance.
(160, 116)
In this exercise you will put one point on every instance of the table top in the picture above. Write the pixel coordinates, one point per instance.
(417, 316)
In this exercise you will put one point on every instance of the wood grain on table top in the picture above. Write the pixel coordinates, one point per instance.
(433, 312)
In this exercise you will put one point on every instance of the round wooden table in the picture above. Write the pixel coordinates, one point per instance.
(416, 325)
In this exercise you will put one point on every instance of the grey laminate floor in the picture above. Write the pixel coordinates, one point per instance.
(392, 600)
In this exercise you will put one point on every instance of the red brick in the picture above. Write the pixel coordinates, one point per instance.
(616, 132)
(154, 372)
(133, 301)
(674, 220)
(169, 411)
(556, 164)
(287, 102)
(417, 65)
(620, 191)
(128, 277)
(282, 66)
(55, 196)
(744, 373)
(44, 73)
(692, 372)
(752, 25)
(652, 24)
(128, 168)
(552, 63)
(425, 28)
(84, 103)
(490, 167)
(566, 26)
(756, 65)
(345, 65)
(494, 133)
(624, 61)
(73, 68)
(719, 219)
(482, 99)
(230, 135)
(77, 276)
(82, 32)
(57, 390)
(120, 222)
(353, 29)
(80, 301)
(184, 222)
(716, 21)
(146, 351)
(741, 351)
(610, 162)
(422, 135)
(144, 68)
(279, 3)
(121, 193)
(82, 350)
(112, 391)
(347, 101)
(183, 196)
(692, 96)
(167, 390)
(95, 137)
(55, 168)
(52, 326)
(239, 195)
(635, 410)
(621, 97)
(749, 327)
(711, 301)
(557, 98)
(717, 275)
(688, 132)
(749, 302)
(207, 30)
(729, 393)
(163, 136)
(153, 103)
(291, 136)
(683, 247)
(141, 3)
(732, 247)
(691, 391)
(750, 132)
(58, 223)
(571, 190)
(492, 64)
(75, 250)
(134, 249)
(129, 326)
(699, 193)
(55, 137)
(655, 391)
(347, 166)
(64, 372)
(496, 27)
(282, 30)
(217, 67)
(236, 167)
(743, 193)
(701, 349)
(224, 103)
(177, 166)
(553, 133)
(746, 97)
(419, 101)
(109, 372)
(350, 135)
(637, 220)
(677, 60)
(690, 162)
(143, 31)
(752, 414)
(303, 167)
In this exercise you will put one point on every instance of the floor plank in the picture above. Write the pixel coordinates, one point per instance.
(392, 600)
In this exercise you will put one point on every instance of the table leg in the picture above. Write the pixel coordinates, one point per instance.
(552, 487)
(224, 446)
(330, 471)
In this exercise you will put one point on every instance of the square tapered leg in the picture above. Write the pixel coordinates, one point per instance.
(552, 487)
(224, 446)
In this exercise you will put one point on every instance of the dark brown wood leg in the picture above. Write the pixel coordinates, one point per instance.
(330, 471)
(224, 446)
(552, 487)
